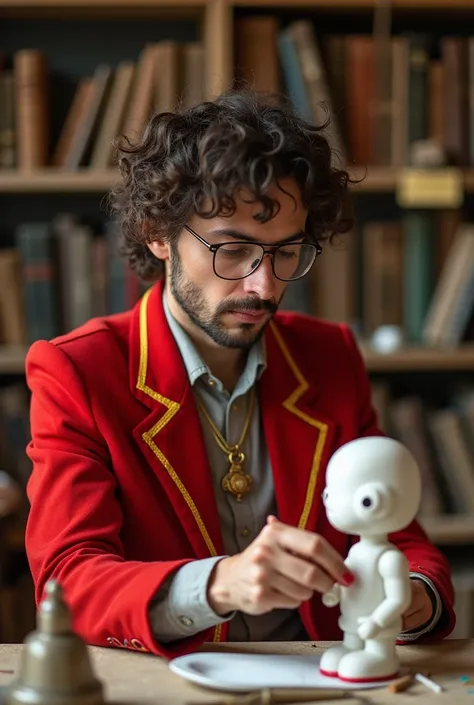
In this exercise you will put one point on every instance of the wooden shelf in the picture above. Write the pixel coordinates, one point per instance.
(375, 179)
(420, 359)
(111, 4)
(85, 180)
(379, 179)
(336, 4)
(57, 181)
(12, 359)
(359, 4)
(450, 529)
(104, 9)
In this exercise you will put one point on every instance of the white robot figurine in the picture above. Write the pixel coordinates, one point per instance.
(373, 487)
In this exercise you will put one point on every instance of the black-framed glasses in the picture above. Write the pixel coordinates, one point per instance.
(237, 260)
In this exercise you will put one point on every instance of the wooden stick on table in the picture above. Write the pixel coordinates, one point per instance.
(401, 684)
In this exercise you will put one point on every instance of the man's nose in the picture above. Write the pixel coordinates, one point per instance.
(262, 281)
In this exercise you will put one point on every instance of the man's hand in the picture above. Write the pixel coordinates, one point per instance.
(281, 569)
(420, 610)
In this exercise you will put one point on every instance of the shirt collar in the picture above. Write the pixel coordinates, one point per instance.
(195, 366)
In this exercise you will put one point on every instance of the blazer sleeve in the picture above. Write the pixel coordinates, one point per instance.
(424, 558)
(74, 526)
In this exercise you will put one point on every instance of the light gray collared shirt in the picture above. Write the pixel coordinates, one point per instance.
(180, 608)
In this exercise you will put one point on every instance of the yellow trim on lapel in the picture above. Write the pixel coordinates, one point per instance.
(290, 404)
(172, 408)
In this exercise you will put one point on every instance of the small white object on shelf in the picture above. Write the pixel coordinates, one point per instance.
(387, 339)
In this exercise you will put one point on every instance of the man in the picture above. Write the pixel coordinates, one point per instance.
(179, 449)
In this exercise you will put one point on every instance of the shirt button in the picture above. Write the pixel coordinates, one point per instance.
(211, 382)
(235, 406)
(245, 532)
(187, 621)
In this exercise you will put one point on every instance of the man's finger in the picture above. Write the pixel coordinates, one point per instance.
(302, 572)
(313, 547)
(279, 601)
(291, 589)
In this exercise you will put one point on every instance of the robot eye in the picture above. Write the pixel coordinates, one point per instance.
(371, 500)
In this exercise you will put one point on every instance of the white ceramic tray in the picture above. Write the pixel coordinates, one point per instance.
(244, 672)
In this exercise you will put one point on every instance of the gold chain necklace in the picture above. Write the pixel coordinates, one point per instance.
(236, 481)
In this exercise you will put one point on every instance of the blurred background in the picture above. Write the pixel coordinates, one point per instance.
(397, 80)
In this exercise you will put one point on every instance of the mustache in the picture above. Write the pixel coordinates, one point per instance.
(250, 304)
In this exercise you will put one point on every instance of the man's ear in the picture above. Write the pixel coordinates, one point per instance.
(160, 249)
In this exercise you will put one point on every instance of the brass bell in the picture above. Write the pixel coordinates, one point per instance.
(55, 668)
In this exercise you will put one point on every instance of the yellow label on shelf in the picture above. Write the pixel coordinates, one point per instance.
(430, 188)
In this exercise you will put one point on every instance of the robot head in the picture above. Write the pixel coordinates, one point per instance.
(373, 486)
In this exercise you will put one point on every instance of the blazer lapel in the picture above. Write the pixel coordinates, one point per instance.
(170, 436)
(299, 437)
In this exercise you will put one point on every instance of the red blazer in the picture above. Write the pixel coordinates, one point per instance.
(121, 490)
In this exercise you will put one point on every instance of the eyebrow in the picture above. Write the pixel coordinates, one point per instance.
(237, 235)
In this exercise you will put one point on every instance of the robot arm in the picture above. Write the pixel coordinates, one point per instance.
(393, 569)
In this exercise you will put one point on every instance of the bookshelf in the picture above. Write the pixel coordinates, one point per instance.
(45, 190)
(416, 389)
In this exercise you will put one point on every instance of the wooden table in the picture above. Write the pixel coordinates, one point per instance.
(135, 678)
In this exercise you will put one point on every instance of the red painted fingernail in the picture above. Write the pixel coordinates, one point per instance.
(348, 578)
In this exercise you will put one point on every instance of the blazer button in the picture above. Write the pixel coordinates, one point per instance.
(114, 641)
(187, 621)
(137, 645)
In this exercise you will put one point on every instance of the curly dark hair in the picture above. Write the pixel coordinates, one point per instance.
(192, 161)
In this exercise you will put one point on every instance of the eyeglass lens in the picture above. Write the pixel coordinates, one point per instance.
(234, 261)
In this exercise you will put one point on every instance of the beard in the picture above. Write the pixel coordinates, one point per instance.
(193, 302)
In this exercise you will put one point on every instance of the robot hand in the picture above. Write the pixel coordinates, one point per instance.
(332, 597)
(368, 628)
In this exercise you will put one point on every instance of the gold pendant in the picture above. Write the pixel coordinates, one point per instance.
(237, 482)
